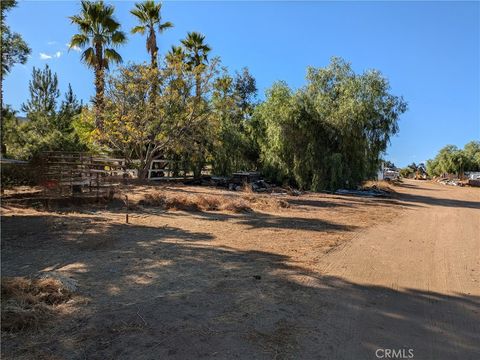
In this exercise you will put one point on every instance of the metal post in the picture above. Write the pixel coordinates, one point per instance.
(126, 212)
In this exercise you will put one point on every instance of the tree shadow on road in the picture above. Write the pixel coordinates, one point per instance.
(429, 200)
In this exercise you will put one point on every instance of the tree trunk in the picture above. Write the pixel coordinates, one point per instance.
(152, 44)
(2, 115)
(154, 56)
(142, 173)
(154, 65)
(197, 87)
(99, 88)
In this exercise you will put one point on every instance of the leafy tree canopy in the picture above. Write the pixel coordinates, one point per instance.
(332, 132)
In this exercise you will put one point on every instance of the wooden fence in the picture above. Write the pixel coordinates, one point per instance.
(75, 172)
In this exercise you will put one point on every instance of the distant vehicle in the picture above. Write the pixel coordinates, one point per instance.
(390, 174)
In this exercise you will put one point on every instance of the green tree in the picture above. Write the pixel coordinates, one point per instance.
(407, 172)
(472, 153)
(137, 128)
(14, 51)
(43, 93)
(233, 102)
(413, 166)
(433, 168)
(48, 126)
(69, 109)
(452, 160)
(99, 34)
(196, 52)
(389, 164)
(229, 140)
(176, 55)
(332, 132)
(245, 92)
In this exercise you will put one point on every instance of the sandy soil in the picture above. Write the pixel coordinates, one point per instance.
(330, 277)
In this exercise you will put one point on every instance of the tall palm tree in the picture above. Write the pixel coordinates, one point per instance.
(196, 55)
(99, 33)
(148, 14)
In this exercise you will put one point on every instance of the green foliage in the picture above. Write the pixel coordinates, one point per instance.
(389, 164)
(452, 160)
(43, 93)
(14, 49)
(148, 14)
(332, 132)
(329, 134)
(18, 174)
(48, 127)
(99, 34)
(407, 172)
(195, 49)
(233, 103)
(99, 29)
(139, 127)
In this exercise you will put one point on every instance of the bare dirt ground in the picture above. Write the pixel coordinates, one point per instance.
(329, 277)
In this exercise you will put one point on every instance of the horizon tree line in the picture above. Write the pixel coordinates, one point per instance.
(188, 108)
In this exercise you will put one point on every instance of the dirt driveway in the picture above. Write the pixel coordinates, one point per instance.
(331, 277)
(413, 283)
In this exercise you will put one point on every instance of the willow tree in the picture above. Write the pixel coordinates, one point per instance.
(99, 34)
(332, 132)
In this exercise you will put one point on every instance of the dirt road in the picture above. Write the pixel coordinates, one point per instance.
(330, 277)
(413, 283)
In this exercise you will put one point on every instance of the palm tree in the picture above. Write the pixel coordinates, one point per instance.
(148, 14)
(99, 34)
(197, 55)
(176, 53)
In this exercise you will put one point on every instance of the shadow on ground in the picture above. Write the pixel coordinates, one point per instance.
(436, 201)
(165, 293)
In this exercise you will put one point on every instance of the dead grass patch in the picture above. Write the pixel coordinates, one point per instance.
(379, 185)
(27, 303)
(265, 202)
(246, 203)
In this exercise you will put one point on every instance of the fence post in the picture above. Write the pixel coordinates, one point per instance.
(126, 212)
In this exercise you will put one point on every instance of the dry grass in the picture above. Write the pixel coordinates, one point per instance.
(265, 202)
(28, 303)
(379, 185)
(245, 203)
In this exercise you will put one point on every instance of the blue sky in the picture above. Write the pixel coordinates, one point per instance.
(430, 51)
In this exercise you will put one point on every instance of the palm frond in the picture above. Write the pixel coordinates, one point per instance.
(118, 38)
(110, 55)
(139, 29)
(140, 15)
(88, 57)
(80, 40)
(197, 51)
(166, 25)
